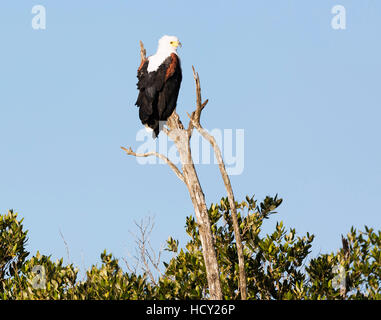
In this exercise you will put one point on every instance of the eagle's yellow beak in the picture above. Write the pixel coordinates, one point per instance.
(176, 44)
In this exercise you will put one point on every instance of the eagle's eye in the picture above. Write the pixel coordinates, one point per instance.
(175, 43)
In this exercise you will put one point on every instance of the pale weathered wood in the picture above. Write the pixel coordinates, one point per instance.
(195, 122)
(233, 210)
(158, 155)
(181, 139)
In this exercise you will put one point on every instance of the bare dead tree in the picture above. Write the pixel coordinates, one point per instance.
(181, 137)
(160, 156)
(195, 122)
(66, 245)
(145, 257)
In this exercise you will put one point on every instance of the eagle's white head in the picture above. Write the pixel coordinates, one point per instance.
(167, 46)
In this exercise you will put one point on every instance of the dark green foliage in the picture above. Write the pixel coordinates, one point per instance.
(273, 262)
(110, 282)
(277, 264)
(360, 259)
(12, 245)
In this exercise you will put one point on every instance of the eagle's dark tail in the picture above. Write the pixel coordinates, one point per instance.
(155, 131)
(156, 127)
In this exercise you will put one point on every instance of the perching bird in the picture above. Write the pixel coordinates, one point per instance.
(159, 79)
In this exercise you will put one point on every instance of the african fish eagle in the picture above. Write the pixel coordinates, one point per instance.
(159, 79)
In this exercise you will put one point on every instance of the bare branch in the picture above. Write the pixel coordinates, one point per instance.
(155, 261)
(195, 122)
(142, 51)
(145, 257)
(66, 246)
(225, 177)
(131, 269)
(158, 155)
(142, 242)
(199, 104)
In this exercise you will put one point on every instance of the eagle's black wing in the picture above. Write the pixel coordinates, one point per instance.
(158, 91)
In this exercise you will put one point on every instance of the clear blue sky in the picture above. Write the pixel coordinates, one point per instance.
(307, 96)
